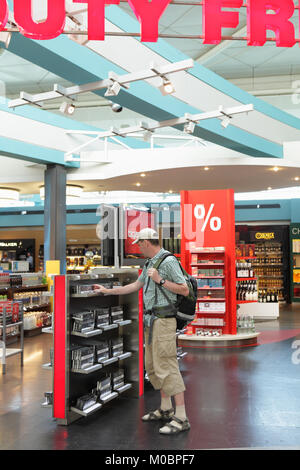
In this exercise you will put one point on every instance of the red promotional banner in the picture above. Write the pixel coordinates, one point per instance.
(135, 221)
(208, 220)
(262, 16)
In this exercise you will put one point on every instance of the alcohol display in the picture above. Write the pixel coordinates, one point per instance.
(269, 268)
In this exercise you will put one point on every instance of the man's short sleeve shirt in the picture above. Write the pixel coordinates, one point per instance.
(169, 270)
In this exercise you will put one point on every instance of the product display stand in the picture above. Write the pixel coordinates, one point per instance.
(209, 268)
(96, 343)
(254, 303)
(7, 322)
(29, 289)
(215, 323)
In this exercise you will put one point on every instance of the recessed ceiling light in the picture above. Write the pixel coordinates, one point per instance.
(275, 168)
(269, 188)
(206, 168)
(138, 184)
(297, 178)
(143, 175)
(171, 192)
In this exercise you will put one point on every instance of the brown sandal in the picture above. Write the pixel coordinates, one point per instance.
(172, 429)
(164, 415)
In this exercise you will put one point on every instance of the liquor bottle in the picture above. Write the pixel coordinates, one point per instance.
(264, 298)
(272, 296)
(268, 296)
(259, 297)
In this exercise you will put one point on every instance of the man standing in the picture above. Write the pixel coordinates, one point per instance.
(160, 329)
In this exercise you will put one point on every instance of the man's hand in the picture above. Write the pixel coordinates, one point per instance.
(101, 289)
(154, 275)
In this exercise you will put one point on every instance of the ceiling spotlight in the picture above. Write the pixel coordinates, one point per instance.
(275, 168)
(297, 178)
(147, 136)
(113, 90)
(269, 188)
(189, 127)
(167, 88)
(143, 175)
(67, 108)
(206, 168)
(138, 184)
(116, 108)
(225, 121)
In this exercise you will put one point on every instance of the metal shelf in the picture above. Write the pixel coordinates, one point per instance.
(123, 322)
(123, 388)
(88, 411)
(85, 295)
(109, 361)
(88, 334)
(124, 356)
(109, 397)
(88, 370)
(12, 324)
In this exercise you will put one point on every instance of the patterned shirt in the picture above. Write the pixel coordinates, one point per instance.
(169, 270)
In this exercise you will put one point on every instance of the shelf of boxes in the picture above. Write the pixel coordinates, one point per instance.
(208, 267)
(99, 354)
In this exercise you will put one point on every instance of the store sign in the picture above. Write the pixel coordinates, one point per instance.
(262, 15)
(8, 245)
(265, 236)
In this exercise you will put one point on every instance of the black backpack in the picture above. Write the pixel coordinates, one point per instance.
(185, 306)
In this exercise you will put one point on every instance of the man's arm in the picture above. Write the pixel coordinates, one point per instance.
(181, 289)
(123, 290)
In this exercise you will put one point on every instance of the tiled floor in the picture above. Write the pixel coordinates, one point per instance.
(236, 398)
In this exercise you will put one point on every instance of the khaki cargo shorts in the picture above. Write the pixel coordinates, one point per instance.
(161, 357)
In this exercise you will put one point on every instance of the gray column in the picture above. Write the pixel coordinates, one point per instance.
(55, 215)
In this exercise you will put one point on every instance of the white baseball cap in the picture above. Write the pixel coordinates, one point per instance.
(146, 234)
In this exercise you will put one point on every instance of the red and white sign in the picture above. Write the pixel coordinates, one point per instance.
(135, 221)
(208, 221)
(262, 16)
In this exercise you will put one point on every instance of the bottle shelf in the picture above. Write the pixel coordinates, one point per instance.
(246, 278)
(246, 301)
(212, 300)
(246, 257)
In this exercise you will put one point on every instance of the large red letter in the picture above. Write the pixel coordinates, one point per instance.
(148, 14)
(4, 11)
(259, 21)
(214, 19)
(50, 28)
(96, 17)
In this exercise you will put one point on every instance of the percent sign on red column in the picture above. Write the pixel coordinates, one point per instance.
(215, 223)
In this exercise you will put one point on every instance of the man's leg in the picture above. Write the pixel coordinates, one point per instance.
(180, 414)
(166, 403)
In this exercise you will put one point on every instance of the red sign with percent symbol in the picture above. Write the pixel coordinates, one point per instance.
(208, 220)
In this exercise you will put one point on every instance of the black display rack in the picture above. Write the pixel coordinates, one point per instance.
(98, 355)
